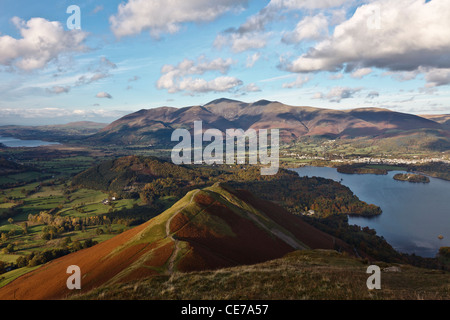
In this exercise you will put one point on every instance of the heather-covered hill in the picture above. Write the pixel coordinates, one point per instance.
(208, 229)
(300, 275)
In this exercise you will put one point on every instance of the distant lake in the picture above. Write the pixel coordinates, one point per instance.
(15, 143)
(414, 214)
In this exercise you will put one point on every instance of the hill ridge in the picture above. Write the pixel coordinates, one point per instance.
(207, 229)
(156, 125)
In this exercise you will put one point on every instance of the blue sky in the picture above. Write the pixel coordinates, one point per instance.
(136, 54)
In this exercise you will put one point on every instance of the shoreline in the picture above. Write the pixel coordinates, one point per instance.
(331, 165)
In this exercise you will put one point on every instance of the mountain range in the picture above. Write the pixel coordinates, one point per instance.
(154, 126)
(62, 132)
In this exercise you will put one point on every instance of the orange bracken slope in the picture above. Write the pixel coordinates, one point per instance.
(208, 229)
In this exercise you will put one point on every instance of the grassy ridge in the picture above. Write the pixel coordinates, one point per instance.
(316, 274)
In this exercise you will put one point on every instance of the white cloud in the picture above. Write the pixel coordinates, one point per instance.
(42, 41)
(35, 113)
(373, 94)
(286, 76)
(412, 34)
(256, 22)
(251, 60)
(360, 73)
(336, 76)
(402, 75)
(309, 28)
(177, 78)
(88, 79)
(59, 89)
(219, 84)
(61, 115)
(98, 70)
(306, 4)
(251, 34)
(159, 17)
(434, 77)
(98, 9)
(298, 83)
(106, 64)
(104, 95)
(337, 94)
(437, 77)
(240, 42)
(252, 87)
(318, 95)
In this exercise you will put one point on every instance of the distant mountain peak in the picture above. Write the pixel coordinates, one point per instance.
(262, 103)
(152, 126)
(222, 100)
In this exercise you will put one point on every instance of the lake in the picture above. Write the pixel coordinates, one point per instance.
(15, 143)
(414, 214)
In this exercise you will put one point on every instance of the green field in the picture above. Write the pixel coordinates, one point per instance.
(22, 177)
(53, 195)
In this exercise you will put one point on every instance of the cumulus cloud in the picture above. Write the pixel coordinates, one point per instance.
(309, 28)
(337, 94)
(434, 77)
(160, 17)
(306, 4)
(252, 87)
(240, 42)
(41, 41)
(437, 77)
(103, 94)
(298, 83)
(220, 84)
(412, 34)
(275, 8)
(252, 33)
(256, 22)
(177, 78)
(360, 73)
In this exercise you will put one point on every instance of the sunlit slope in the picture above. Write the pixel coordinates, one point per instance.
(207, 229)
(300, 275)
